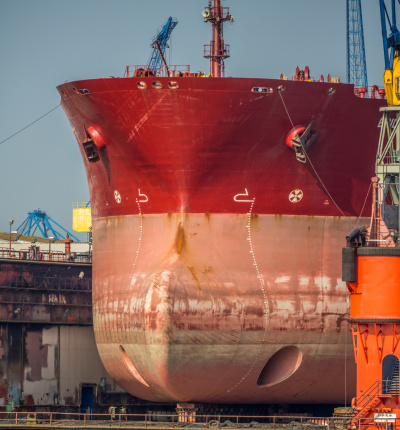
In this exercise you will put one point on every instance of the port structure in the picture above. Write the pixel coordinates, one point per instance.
(371, 270)
(217, 51)
(159, 45)
(39, 220)
(39, 288)
(372, 275)
(356, 63)
(391, 48)
(387, 169)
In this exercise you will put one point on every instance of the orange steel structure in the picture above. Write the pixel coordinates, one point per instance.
(375, 320)
(372, 273)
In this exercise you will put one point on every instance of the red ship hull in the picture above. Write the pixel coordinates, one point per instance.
(216, 270)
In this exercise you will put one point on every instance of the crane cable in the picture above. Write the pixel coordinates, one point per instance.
(33, 122)
(320, 180)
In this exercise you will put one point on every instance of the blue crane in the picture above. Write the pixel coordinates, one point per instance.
(159, 43)
(356, 64)
(38, 219)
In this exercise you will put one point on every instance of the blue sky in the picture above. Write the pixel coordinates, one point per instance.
(45, 42)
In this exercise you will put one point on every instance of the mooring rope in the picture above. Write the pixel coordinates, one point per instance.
(345, 361)
(365, 201)
(33, 122)
(312, 166)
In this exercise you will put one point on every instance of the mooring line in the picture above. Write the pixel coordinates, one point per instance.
(36, 120)
(315, 171)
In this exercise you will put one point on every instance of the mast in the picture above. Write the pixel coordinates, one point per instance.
(216, 50)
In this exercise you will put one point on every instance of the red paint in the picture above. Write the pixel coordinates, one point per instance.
(96, 136)
(171, 145)
(198, 305)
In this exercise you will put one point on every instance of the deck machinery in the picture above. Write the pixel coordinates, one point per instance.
(371, 265)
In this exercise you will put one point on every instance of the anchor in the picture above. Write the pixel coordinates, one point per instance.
(300, 139)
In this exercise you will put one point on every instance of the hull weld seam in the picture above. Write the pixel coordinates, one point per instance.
(263, 290)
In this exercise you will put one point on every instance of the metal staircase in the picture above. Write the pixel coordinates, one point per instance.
(366, 403)
(393, 382)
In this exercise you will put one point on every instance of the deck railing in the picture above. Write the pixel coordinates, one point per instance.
(371, 92)
(162, 421)
(35, 254)
(157, 71)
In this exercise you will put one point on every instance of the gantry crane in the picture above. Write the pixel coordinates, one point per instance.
(39, 220)
(356, 63)
(159, 44)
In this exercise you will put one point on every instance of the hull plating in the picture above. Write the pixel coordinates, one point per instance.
(216, 253)
(200, 304)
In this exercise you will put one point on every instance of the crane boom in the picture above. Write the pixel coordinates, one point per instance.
(391, 48)
(159, 44)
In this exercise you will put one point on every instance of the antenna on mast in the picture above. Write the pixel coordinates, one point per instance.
(216, 50)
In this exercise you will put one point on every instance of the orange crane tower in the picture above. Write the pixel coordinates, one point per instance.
(374, 275)
(371, 265)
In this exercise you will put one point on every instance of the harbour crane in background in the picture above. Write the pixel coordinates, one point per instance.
(159, 44)
(39, 220)
(356, 63)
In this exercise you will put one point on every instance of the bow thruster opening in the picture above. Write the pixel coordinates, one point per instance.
(131, 367)
(280, 366)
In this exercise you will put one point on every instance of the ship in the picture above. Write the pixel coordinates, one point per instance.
(219, 205)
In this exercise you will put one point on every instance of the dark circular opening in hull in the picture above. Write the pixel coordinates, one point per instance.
(280, 366)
